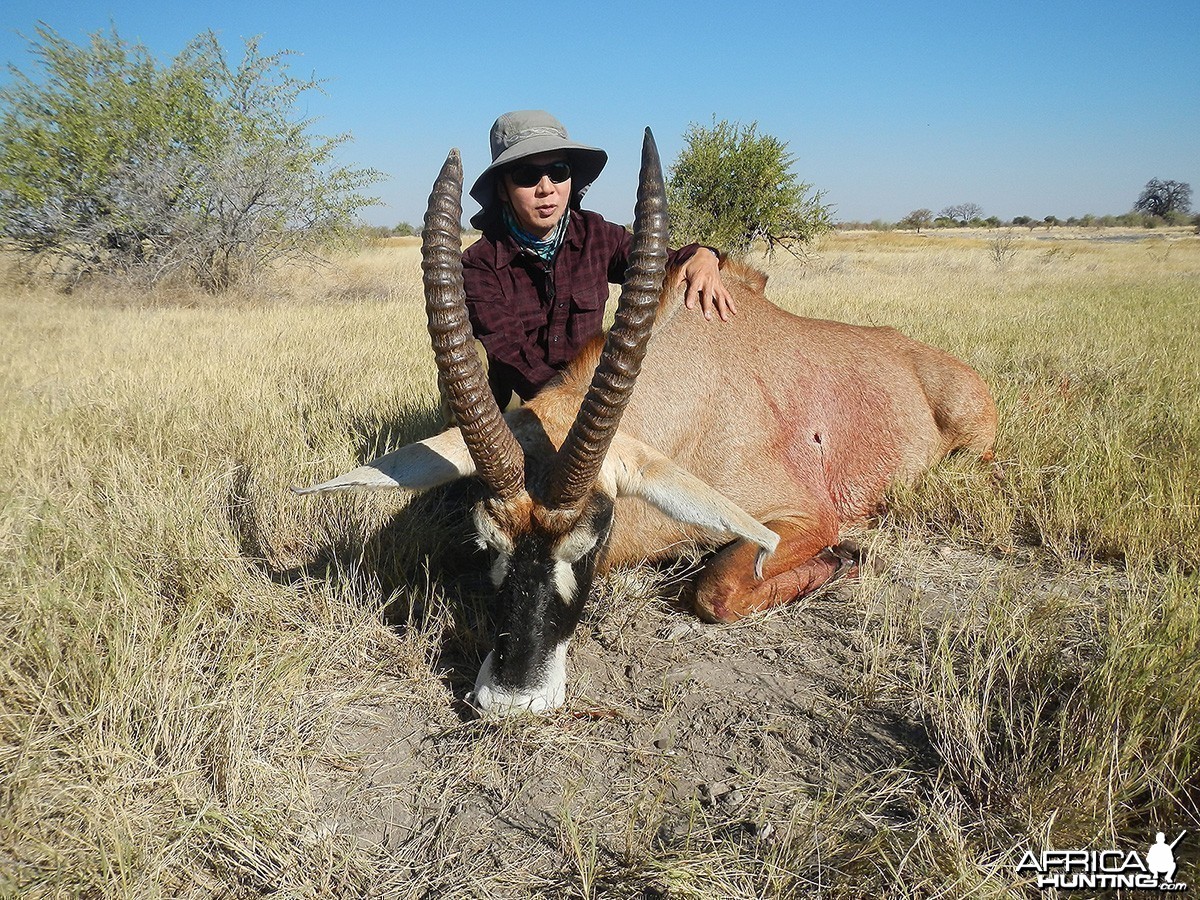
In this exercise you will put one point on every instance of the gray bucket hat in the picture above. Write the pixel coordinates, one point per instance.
(528, 132)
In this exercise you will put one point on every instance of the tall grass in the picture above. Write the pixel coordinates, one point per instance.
(181, 636)
(161, 697)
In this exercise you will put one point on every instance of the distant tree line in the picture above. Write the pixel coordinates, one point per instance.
(204, 168)
(401, 229)
(1161, 203)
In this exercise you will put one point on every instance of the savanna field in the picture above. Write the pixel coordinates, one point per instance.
(210, 687)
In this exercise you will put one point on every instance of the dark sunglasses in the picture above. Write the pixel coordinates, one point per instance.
(527, 174)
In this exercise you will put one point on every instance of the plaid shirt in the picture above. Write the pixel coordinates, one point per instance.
(533, 319)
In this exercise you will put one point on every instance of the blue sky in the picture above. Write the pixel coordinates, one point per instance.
(1025, 108)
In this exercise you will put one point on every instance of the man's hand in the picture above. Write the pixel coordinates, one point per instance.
(702, 275)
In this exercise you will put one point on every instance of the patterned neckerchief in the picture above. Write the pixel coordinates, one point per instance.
(543, 248)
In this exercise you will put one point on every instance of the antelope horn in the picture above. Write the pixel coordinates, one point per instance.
(583, 451)
(497, 455)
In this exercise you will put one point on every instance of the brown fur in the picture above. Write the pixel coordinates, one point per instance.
(804, 423)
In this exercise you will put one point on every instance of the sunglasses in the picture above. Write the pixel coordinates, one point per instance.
(527, 174)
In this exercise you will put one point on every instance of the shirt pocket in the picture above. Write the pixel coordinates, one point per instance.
(586, 318)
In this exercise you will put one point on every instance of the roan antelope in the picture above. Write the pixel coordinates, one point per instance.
(765, 434)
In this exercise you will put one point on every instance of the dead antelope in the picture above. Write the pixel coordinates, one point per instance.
(766, 433)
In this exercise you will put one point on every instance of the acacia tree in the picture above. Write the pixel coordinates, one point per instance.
(115, 163)
(731, 186)
(1161, 198)
(962, 213)
(918, 219)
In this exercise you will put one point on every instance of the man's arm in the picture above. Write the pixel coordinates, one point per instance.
(698, 268)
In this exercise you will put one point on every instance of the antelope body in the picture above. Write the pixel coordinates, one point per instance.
(770, 431)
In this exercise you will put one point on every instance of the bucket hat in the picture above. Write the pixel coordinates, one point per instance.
(528, 132)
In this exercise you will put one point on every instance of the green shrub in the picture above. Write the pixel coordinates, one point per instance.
(731, 186)
(116, 163)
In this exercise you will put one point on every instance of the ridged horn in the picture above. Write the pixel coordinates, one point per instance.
(497, 455)
(583, 451)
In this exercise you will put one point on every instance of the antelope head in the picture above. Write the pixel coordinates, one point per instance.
(548, 511)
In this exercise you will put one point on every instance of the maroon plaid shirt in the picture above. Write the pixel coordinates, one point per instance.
(533, 320)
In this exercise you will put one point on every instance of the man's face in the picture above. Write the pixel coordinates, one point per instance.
(537, 208)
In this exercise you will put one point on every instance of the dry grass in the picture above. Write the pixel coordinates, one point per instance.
(210, 688)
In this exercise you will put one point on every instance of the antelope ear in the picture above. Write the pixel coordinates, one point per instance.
(636, 469)
(417, 467)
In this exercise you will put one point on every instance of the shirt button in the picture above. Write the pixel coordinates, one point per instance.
(561, 305)
(556, 339)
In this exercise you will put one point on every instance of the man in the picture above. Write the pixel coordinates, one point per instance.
(537, 281)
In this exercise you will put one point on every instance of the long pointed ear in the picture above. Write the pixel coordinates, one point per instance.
(638, 470)
(417, 467)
